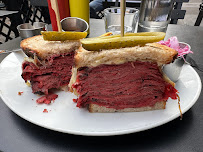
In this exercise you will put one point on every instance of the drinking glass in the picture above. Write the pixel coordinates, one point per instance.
(112, 20)
(155, 15)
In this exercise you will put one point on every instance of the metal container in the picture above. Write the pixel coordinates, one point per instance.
(27, 30)
(173, 70)
(74, 24)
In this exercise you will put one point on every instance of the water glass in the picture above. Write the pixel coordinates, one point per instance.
(112, 20)
(155, 15)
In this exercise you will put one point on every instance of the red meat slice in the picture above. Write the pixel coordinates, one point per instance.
(129, 85)
(56, 73)
(47, 98)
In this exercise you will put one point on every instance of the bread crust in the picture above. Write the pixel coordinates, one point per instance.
(36, 45)
(152, 52)
(93, 108)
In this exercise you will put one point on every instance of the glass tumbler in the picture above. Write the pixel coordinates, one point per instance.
(155, 15)
(112, 20)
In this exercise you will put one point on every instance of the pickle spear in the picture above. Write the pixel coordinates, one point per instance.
(116, 41)
(62, 36)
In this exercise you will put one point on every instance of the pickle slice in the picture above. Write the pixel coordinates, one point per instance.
(116, 41)
(62, 36)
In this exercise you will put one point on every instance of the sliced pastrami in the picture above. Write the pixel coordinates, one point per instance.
(128, 85)
(47, 98)
(54, 74)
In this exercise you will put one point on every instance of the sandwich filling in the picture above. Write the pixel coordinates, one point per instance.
(55, 73)
(129, 85)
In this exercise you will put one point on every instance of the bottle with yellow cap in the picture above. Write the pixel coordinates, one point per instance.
(80, 8)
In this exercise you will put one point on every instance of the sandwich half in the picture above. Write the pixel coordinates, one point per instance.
(123, 80)
(49, 63)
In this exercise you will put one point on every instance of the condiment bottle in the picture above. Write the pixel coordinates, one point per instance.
(80, 8)
(64, 12)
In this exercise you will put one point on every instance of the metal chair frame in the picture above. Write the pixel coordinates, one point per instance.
(26, 13)
(200, 15)
(10, 27)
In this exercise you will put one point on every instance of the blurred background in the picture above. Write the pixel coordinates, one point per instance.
(192, 11)
(30, 12)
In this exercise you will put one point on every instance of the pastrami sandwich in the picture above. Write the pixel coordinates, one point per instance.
(123, 80)
(49, 63)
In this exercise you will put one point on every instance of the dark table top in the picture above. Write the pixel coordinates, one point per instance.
(18, 135)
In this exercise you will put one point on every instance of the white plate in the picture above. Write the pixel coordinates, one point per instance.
(64, 116)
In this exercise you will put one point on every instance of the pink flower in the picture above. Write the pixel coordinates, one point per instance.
(174, 44)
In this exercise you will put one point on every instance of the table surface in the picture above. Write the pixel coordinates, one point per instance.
(184, 135)
(5, 13)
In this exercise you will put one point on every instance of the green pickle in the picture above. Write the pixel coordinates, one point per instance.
(116, 41)
(62, 36)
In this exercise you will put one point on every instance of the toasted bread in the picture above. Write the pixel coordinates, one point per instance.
(153, 52)
(93, 108)
(44, 49)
